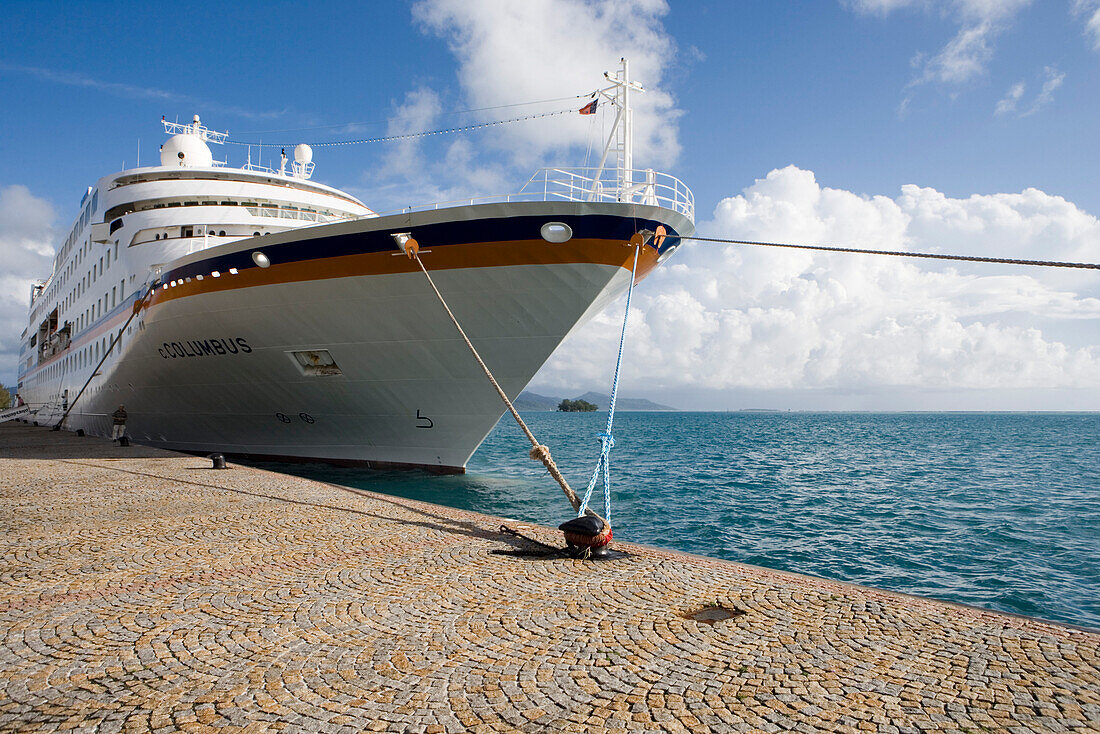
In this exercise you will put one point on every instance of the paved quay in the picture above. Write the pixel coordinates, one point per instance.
(141, 590)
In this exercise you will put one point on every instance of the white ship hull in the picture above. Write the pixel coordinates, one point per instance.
(209, 364)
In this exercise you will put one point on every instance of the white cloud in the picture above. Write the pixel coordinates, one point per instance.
(878, 7)
(1053, 81)
(543, 49)
(419, 112)
(964, 57)
(132, 91)
(967, 55)
(727, 318)
(526, 51)
(26, 251)
(1090, 11)
(1010, 101)
(409, 175)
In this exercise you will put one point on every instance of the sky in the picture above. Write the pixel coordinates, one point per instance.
(951, 126)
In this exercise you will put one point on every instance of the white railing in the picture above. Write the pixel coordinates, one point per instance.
(587, 184)
(608, 184)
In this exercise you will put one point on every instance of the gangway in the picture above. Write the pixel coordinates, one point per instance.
(13, 413)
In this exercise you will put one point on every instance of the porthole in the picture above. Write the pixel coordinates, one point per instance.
(261, 259)
(556, 232)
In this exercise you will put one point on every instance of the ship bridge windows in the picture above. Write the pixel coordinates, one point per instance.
(268, 209)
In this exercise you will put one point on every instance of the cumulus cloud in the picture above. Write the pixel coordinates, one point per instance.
(26, 251)
(544, 49)
(722, 318)
(409, 175)
(509, 52)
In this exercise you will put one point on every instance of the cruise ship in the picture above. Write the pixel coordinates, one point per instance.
(254, 312)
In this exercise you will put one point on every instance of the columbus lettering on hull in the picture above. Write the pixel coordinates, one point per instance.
(257, 312)
(206, 347)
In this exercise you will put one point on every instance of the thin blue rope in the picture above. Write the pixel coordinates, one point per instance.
(607, 439)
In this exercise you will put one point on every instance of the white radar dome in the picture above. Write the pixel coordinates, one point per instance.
(186, 150)
(303, 153)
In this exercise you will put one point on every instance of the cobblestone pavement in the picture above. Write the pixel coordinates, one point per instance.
(141, 590)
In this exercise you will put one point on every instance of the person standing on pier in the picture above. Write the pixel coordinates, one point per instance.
(119, 417)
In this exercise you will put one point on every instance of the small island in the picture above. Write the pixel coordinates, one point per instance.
(576, 406)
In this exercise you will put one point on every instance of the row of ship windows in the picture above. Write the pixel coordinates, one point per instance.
(59, 281)
(197, 230)
(82, 220)
(255, 208)
(88, 356)
(94, 273)
(88, 280)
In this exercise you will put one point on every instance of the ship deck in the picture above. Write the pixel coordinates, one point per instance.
(143, 590)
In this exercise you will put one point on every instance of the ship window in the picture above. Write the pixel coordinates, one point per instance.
(187, 232)
(221, 233)
(255, 234)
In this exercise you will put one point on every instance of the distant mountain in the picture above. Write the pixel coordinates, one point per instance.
(622, 403)
(534, 401)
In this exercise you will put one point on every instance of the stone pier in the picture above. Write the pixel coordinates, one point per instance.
(141, 590)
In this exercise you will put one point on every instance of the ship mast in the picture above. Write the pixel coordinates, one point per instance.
(621, 139)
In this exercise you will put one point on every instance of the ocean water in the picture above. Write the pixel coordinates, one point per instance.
(997, 510)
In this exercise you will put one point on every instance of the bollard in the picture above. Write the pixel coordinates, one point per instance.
(219, 461)
(587, 537)
(80, 432)
(124, 441)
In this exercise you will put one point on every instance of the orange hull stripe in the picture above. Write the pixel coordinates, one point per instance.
(451, 257)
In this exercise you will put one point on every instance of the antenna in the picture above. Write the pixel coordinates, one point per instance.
(195, 127)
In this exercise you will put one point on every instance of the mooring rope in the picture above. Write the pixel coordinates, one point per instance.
(895, 253)
(117, 338)
(607, 439)
(539, 452)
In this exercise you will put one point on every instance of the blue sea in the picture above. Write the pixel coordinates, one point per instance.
(999, 510)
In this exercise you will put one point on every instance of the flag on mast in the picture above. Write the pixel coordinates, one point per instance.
(590, 108)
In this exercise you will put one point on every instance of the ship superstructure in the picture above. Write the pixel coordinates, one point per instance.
(254, 311)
